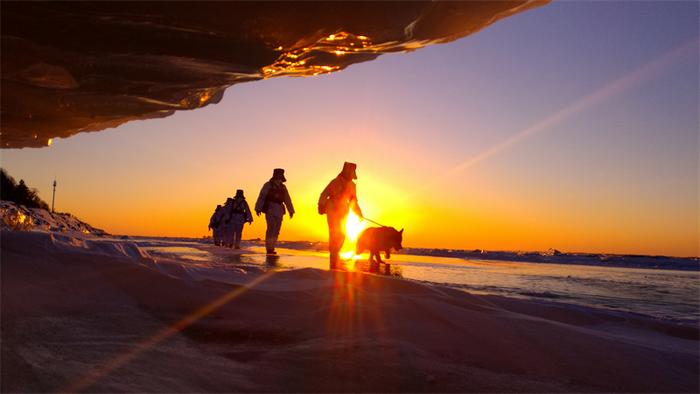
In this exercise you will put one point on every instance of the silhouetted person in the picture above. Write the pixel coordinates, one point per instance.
(336, 201)
(272, 201)
(215, 224)
(227, 224)
(240, 214)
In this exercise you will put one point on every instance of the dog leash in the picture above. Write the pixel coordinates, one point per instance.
(372, 221)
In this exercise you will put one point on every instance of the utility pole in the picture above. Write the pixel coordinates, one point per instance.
(53, 198)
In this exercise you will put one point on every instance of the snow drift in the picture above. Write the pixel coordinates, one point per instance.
(18, 217)
(75, 318)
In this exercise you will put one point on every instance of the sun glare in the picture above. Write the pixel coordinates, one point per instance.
(353, 227)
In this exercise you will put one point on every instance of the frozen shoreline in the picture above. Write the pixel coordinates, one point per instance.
(70, 304)
(547, 257)
(16, 216)
(662, 294)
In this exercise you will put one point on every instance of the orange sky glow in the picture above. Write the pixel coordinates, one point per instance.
(582, 147)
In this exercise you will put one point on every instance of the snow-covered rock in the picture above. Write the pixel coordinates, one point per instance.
(19, 218)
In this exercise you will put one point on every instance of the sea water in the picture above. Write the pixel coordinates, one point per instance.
(660, 293)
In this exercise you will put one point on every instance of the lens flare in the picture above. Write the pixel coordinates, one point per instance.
(349, 259)
(353, 226)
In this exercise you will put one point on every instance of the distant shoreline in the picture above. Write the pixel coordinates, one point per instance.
(548, 257)
(18, 217)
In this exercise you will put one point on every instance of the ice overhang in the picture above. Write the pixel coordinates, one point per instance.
(72, 67)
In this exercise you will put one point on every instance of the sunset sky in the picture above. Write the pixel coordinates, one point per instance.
(572, 126)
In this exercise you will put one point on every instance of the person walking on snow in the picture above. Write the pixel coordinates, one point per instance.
(272, 201)
(240, 214)
(227, 223)
(335, 202)
(215, 224)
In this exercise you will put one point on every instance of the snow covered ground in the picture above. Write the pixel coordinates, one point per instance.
(18, 217)
(87, 313)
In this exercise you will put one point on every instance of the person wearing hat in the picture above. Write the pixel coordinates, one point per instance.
(272, 200)
(215, 224)
(239, 214)
(335, 202)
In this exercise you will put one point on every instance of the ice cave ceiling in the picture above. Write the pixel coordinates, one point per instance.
(71, 67)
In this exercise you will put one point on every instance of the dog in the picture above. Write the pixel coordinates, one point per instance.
(378, 239)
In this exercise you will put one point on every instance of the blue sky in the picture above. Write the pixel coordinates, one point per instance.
(619, 175)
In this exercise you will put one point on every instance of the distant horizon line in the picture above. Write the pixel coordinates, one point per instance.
(434, 248)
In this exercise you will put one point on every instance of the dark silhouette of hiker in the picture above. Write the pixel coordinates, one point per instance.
(227, 224)
(215, 224)
(272, 201)
(335, 202)
(239, 214)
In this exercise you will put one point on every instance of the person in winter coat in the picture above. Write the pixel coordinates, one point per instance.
(215, 224)
(335, 202)
(227, 224)
(239, 214)
(272, 201)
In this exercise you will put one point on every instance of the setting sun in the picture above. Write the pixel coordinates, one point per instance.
(375, 196)
(353, 226)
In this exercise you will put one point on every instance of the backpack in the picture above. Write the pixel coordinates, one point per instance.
(238, 206)
(276, 194)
